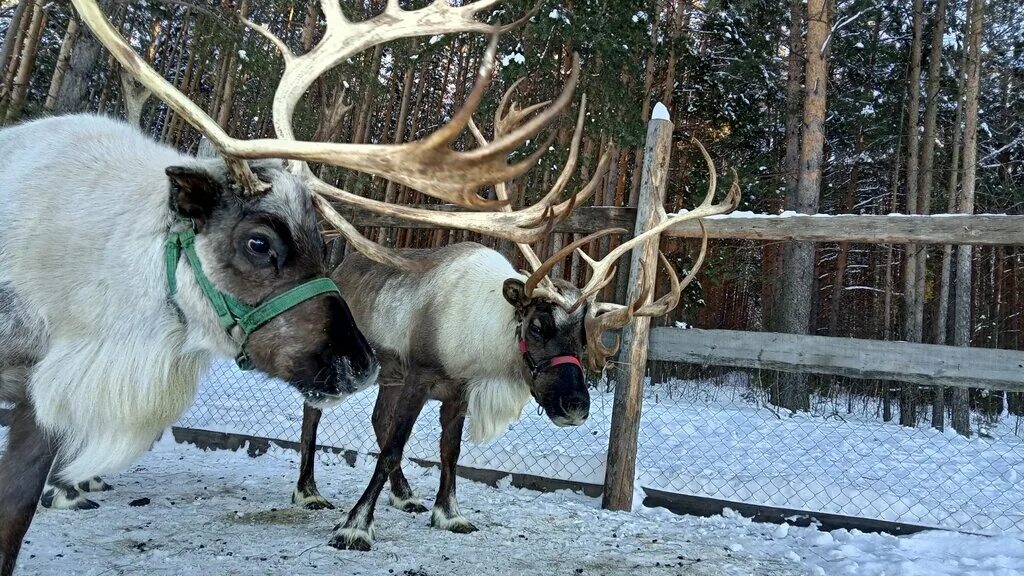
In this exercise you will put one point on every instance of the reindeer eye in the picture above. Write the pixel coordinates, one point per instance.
(535, 329)
(258, 245)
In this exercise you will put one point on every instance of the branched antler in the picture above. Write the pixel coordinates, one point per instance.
(430, 165)
(602, 316)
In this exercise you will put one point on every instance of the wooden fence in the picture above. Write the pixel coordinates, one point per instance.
(900, 361)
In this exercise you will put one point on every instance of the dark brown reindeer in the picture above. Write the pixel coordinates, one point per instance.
(469, 331)
(174, 259)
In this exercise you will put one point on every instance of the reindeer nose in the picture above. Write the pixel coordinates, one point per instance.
(577, 409)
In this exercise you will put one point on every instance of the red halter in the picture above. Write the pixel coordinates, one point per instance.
(536, 368)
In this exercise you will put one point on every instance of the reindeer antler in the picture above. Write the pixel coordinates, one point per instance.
(602, 316)
(506, 118)
(429, 165)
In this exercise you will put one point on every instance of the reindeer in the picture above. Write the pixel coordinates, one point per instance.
(128, 265)
(467, 330)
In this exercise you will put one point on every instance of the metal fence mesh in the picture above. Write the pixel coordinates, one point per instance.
(713, 437)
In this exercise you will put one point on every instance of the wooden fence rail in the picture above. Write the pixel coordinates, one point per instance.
(980, 230)
(927, 364)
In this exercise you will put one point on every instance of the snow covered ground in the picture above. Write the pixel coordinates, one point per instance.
(703, 438)
(224, 513)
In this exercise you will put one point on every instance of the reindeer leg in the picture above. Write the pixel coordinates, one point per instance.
(357, 531)
(401, 495)
(446, 515)
(23, 470)
(306, 495)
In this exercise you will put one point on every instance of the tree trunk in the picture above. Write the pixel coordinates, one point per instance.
(794, 98)
(963, 326)
(911, 326)
(30, 47)
(230, 72)
(363, 112)
(799, 261)
(74, 90)
(645, 105)
(61, 67)
(940, 333)
(12, 41)
(793, 122)
(925, 192)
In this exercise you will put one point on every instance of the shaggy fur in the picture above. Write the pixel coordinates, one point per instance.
(87, 333)
(456, 317)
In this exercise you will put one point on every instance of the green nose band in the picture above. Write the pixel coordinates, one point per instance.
(229, 310)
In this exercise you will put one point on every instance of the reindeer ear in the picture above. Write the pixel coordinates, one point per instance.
(515, 292)
(194, 193)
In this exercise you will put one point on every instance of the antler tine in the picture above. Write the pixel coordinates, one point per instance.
(541, 272)
(707, 208)
(361, 243)
(670, 300)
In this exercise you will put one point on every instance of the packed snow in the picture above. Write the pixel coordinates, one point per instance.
(226, 513)
(717, 439)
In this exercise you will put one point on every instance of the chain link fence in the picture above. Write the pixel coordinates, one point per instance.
(713, 437)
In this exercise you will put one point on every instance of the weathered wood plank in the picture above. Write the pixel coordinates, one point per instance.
(629, 386)
(925, 364)
(990, 230)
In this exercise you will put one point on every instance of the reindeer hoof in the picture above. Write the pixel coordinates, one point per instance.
(465, 527)
(412, 504)
(456, 524)
(95, 484)
(414, 508)
(352, 539)
(86, 504)
(311, 501)
(318, 504)
(57, 499)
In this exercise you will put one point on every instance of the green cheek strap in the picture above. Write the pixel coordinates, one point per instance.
(229, 310)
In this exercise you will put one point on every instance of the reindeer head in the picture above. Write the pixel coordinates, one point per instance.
(551, 341)
(255, 247)
(560, 322)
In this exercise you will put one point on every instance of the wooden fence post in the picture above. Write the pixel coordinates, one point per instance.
(625, 425)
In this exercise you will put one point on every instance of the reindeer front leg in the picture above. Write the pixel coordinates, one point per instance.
(357, 531)
(401, 496)
(306, 494)
(446, 515)
(23, 470)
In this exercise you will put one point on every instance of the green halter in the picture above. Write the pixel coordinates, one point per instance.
(230, 311)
